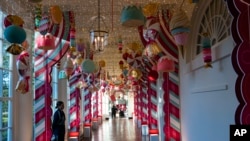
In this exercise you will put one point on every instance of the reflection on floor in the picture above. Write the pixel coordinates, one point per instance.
(117, 129)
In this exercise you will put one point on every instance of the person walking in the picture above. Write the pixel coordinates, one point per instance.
(113, 111)
(58, 124)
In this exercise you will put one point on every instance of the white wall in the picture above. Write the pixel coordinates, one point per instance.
(208, 100)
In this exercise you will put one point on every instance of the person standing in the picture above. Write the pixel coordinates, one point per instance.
(58, 124)
(113, 111)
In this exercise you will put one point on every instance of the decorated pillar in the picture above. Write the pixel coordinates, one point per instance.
(44, 60)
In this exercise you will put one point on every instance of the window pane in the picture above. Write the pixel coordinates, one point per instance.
(5, 84)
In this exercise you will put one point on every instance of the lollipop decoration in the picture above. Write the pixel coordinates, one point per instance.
(206, 44)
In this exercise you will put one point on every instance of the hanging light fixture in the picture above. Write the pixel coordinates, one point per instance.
(99, 37)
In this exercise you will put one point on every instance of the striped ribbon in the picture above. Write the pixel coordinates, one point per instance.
(44, 60)
(75, 97)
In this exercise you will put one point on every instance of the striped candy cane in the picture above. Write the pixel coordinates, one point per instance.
(75, 97)
(43, 90)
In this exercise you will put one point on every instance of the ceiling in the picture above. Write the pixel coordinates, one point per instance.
(84, 10)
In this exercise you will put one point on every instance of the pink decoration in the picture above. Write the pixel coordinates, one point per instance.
(181, 38)
(165, 64)
(46, 42)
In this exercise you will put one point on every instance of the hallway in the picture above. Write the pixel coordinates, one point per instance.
(118, 129)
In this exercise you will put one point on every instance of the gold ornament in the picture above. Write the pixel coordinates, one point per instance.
(150, 9)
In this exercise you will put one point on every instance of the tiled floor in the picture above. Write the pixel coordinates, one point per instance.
(118, 129)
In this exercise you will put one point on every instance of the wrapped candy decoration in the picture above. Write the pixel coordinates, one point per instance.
(88, 66)
(44, 24)
(150, 9)
(15, 34)
(56, 14)
(206, 44)
(132, 16)
(13, 20)
(102, 63)
(151, 50)
(68, 67)
(22, 68)
(38, 15)
(120, 44)
(121, 64)
(46, 42)
(165, 64)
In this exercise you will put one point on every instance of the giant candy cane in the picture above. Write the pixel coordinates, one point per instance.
(240, 9)
(75, 97)
(43, 90)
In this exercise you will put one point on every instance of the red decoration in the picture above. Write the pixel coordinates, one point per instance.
(153, 75)
(165, 64)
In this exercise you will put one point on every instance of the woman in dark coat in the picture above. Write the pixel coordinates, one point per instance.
(58, 125)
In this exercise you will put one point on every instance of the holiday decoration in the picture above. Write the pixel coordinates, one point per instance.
(120, 44)
(150, 9)
(80, 46)
(62, 75)
(206, 44)
(44, 24)
(152, 49)
(121, 63)
(22, 68)
(102, 63)
(88, 66)
(68, 67)
(165, 64)
(152, 75)
(56, 14)
(38, 15)
(15, 34)
(13, 20)
(180, 27)
(46, 42)
(132, 16)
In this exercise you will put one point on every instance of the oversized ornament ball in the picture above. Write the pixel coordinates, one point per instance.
(15, 34)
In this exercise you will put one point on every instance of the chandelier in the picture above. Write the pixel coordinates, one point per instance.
(98, 37)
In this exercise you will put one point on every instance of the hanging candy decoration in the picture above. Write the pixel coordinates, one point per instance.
(88, 66)
(134, 60)
(121, 64)
(165, 64)
(102, 63)
(120, 44)
(44, 24)
(180, 27)
(132, 16)
(38, 15)
(56, 14)
(68, 67)
(150, 9)
(152, 49)
(13, 20)
(22, 68)
(80, 46)
(46, 42)
(15, 35)
(206, 44)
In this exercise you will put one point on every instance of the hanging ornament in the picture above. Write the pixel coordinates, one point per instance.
(121, 64)
(46, 42)
(132, 16)
(152, 75)
(120, 44)
(206, 44)
(44, 24)
(165, 64)
(150, 9)
(180, 27)
(68, 67)
(13, 20)
(56, 14)
(102, 63)
(80, 46)
(152, 49)
(38, 15)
